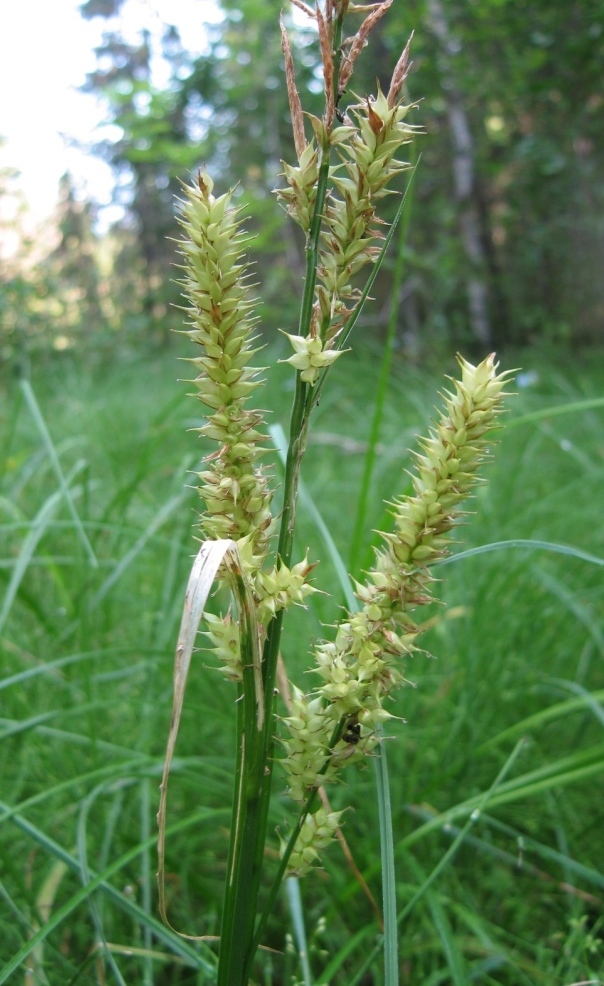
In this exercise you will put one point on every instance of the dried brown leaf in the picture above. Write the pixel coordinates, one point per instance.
(295, 104)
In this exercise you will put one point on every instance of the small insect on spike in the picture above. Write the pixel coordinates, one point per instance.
(352, 733)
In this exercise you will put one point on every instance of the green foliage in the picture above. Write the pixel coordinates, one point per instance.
(151, 149)
(53, 291)
(528, 82)
(528, 79)
(86, 658)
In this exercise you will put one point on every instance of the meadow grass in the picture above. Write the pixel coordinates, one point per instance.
(509, 892)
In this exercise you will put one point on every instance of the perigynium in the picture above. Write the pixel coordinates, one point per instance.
(333, 192)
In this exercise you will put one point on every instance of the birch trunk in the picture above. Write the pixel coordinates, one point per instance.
(464, 181)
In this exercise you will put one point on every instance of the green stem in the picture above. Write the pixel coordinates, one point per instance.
(278, 880)
(312, 245)
(239, 908)
(291, 843)
(228, 911)
(255, 761)
(255, 756)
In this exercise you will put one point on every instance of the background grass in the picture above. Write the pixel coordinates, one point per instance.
(85, 686)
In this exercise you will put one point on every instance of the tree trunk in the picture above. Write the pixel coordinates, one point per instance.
(464, 181)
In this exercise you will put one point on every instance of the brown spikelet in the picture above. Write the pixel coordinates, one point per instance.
(360, 40)
(295, 105)
(401, 71)
(375, 121)
(327, 59)
(303, 6)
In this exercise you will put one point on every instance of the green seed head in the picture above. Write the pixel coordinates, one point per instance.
(362, 666)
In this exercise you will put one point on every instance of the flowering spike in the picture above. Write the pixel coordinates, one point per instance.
(362, 666)
(233, 485)
(310, 357)
(336, 207)
(317, 832)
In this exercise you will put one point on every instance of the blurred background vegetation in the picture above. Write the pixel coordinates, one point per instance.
(506, 243)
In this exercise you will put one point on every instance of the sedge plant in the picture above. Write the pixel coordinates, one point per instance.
(346, 162)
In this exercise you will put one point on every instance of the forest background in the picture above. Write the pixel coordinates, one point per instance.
(506, 244)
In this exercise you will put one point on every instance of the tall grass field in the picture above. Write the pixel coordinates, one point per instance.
(496, 760)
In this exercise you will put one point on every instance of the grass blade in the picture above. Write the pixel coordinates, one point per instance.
(559, 773)
(538, 719)
(38, 528)
(51, 451)
(338, 960)
(279, 441)
(158, 521)
(388, 869)
(455, 960)
(556, 410)
(382, 387)
(523, 543)
(100, 880)
(294, 897)
(483, 801)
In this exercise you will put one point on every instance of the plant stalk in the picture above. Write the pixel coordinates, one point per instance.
(268, 907)
(239, 902)
(254, 763)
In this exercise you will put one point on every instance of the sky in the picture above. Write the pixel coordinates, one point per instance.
(46, 49)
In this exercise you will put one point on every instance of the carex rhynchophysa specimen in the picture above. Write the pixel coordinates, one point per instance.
(333, 192)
